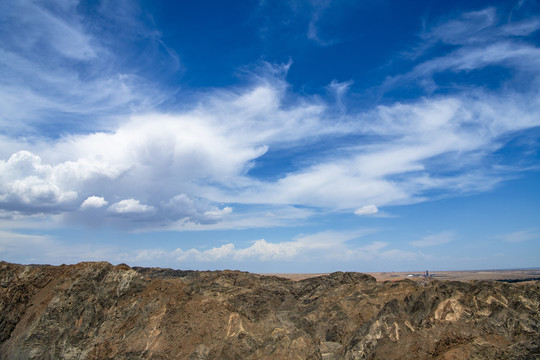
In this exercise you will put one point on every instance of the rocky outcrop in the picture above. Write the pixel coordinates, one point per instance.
(101, 311)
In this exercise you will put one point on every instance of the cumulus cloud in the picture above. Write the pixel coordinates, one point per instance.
(320, 252)
(94, 202)
(130, 206)
(313, 245)
(167, 154)
(260, 250)
(32, 190)
(218, 214)
(366, 210)
(195, 210)
(30, 185)
(27, 185)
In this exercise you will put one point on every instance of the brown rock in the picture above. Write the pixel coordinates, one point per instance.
(101, 311)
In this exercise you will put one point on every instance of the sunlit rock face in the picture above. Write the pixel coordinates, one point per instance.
(101, 311)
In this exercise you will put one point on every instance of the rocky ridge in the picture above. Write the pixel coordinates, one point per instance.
(100, 311)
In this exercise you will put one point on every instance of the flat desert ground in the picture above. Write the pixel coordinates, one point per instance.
(506, 275)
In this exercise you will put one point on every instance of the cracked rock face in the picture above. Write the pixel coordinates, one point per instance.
(101, 311)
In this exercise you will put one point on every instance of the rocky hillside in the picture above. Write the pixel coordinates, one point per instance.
(101, 311)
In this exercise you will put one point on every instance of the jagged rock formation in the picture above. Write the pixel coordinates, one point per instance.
(101, 311)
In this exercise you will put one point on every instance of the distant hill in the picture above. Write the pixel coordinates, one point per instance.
(100, 311)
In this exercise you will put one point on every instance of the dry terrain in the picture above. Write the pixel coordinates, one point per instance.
(498, 275)
(100, 311)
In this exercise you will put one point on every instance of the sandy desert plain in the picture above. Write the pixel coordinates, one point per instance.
(512, 275)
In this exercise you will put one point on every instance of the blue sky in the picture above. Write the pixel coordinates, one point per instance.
(271, 136)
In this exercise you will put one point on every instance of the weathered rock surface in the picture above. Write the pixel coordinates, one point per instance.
(101, 311)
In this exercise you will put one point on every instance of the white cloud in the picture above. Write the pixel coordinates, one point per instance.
(480, 39)
(53, 48)
(259, 216)
(434, 239)
(207, 159)
(340, 88)
(32, 190)
(478, 27)
(470, 27)
(218, 214)
(194, 210)
(366, 210)
(516, 55)
(28, 186)
(187, 163)
(22, 164)
(130, 206)
(94, 202)
(522, 28)
(64, 34)
(320, 245)
(329, 250)
(520, 236)
(192, 166)
(260, 250)
(167, 154)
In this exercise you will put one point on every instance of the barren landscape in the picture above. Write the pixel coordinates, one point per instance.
(96, 310)
(517, 275)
